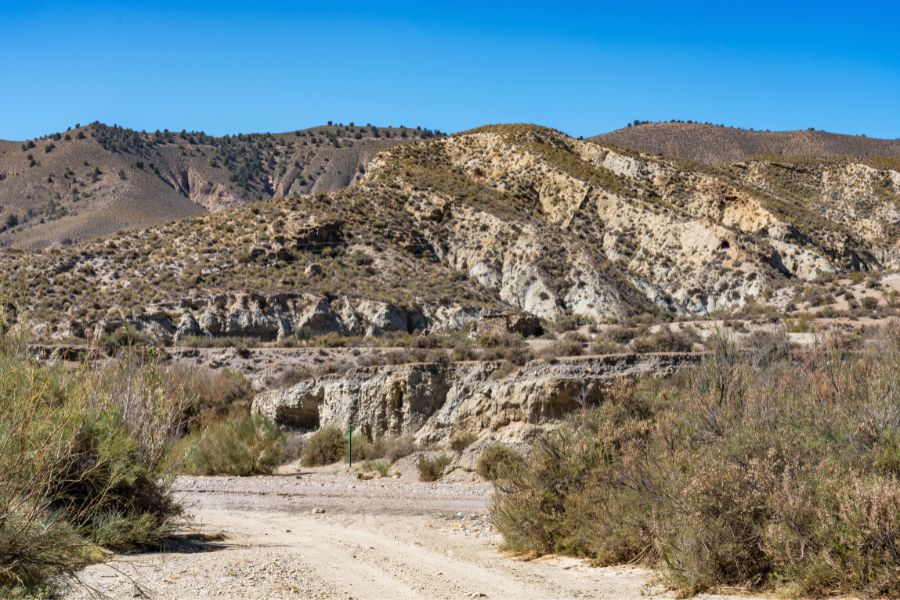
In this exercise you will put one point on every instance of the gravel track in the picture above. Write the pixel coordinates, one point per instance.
(330, 535)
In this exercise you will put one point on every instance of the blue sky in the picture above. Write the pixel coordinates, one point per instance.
(228, 67)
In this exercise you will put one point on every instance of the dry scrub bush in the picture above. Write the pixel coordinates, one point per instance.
(509, 346)
(667, 339)
(397, 447)
(461, 441)
(432, 469)
(392, 448)
(497, 460)
(563, 347)
(780, 473)
(80, 466)
(325, 447)
(379, 466)
(216, 393)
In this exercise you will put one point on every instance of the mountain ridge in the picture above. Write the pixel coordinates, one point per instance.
(94, 180)
(515, 218)
(715, 144)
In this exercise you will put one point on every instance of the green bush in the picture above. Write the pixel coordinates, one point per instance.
(779, 473)
(80, 466)
(238, 445)
(325, 447)
(432, 469)
(497, 460)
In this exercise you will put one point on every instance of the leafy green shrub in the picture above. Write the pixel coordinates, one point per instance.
(497, 460)
(432, 469)
(237, 445)
(462, 441)
(325, 447)
(781, 473)
(79, 467)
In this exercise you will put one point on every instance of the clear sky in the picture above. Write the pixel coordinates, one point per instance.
(585, 68)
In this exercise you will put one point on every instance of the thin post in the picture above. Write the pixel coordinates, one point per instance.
(350, 445)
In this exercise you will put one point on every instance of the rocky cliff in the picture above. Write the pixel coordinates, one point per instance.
(434, 401)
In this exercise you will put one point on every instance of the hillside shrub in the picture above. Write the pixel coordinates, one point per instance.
(397, 447)
(779, 474)
(667, 339)
(461, 441)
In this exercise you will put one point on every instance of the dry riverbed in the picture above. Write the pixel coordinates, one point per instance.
(331, 535)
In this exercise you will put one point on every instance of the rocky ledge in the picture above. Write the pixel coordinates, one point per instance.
(269, 317)
(435, 401)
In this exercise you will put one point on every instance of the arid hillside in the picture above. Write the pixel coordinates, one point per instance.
(518, 218)
(91, 181)
(714, 144)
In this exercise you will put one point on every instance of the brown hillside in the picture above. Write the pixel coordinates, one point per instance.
(94, 180)
(713, 144)
(515, 218)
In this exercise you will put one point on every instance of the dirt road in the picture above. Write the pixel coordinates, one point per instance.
(333, 536)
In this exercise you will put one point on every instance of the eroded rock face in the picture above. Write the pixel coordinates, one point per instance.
(433, 401)
(280, 316)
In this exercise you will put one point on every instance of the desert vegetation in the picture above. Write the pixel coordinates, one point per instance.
(82, 465)
(237, 445)
(772, 469)
(431, 468)
(329, 445)
(88, 454)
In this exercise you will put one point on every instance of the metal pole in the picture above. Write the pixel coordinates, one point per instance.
(350, 445)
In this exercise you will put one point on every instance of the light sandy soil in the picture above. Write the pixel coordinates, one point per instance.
(330, 535)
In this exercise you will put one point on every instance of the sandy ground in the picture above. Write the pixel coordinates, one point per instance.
(330, 535)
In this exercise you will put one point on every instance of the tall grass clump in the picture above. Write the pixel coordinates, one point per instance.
(81, 466)
(781, 474)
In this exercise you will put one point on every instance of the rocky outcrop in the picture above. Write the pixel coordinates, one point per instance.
(277, 317)
(433, 401)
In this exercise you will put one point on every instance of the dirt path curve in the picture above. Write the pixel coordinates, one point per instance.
(279, 544)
